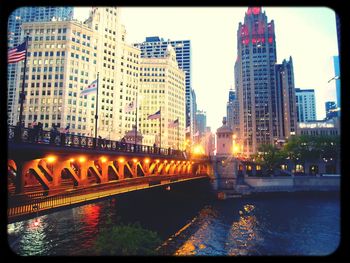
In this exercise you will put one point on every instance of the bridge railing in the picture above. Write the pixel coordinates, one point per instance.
(29, 135)
(30, 203)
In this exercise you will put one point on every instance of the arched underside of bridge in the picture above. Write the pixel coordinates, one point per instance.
(54, 172)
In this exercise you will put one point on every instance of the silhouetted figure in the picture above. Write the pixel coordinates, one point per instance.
(39, 132)
(17, 133)
(53, 134)
(30, 133)
(123, 143)
(36, 132)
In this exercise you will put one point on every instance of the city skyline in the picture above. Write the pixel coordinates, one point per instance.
(318, 26)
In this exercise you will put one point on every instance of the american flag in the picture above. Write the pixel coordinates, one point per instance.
(174, 123)
(154, 116)
(89, 89)
(17, 54)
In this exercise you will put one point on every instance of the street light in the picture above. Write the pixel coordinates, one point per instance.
(334, 78)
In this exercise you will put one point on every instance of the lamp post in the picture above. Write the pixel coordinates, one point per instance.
(334, 78)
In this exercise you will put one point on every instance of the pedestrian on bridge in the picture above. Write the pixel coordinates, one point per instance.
(37, 130)
(18, 132)
(53, 134)
(30, 132)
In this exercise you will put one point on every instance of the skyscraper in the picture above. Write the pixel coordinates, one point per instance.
(255, 80)
(286, 102)
(331, 110)
(337, 79)
(64, 57)
(230, 112)
(191, 129)
(306, 107)
(201, 122)
(265, 90)
(118, 65)
(162, 87)
(15, 21)
(156, 47)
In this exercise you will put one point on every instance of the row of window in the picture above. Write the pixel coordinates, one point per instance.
(84, 36)
(48, 31)
(46, 54)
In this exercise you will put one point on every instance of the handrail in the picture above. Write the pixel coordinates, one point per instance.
(26, 135)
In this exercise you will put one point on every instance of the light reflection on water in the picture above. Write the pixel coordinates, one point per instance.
(287, 225)
(214, 237)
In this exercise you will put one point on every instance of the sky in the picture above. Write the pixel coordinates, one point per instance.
(307, 34)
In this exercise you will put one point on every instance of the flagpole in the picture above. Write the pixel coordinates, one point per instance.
(96, 115)
(136, 121)
(178, 138)
(22, 94)
(160, 128)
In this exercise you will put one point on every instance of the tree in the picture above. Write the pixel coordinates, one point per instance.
(127, 240)
(269, 157)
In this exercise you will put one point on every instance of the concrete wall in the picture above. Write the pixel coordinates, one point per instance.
(317, 181)
(263, 182)
(296, 183)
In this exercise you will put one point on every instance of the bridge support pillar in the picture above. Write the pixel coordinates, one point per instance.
(19, 182)
(83, 173)
(104, 173)
(121, 169)
(146, 168)
(134, 169)
(57, 170)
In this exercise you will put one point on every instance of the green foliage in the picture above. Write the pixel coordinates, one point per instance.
(298, 149)
(127, 240)
(306, 147)
(269, 157)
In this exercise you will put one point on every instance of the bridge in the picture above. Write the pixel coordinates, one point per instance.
(54, 170)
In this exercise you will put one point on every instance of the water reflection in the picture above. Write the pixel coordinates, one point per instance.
(244, 233)
(216, 237)
(34, 238)
(281, 226)
(207, 238)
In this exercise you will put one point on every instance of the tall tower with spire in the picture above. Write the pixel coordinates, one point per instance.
(255, 80)
(265, 90)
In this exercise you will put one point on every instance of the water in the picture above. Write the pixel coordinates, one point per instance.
(191, 222)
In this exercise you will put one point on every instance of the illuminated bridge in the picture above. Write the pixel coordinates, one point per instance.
(49, 171)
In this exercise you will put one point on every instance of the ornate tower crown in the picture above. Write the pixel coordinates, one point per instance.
(254, 10)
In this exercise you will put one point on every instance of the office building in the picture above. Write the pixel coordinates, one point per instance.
(331, 110)
(306, 107)
(155, 47)
(337, 79)
(162, 87)
(319, 128)
(255, 82)
(264, 90)
(64, 57)
(15, 38)
(190, 130)
(232, 115)
(201, 122)
(286, 106)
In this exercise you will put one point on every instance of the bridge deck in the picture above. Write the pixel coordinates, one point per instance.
(32, 206)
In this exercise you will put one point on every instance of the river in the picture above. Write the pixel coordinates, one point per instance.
(190, 221)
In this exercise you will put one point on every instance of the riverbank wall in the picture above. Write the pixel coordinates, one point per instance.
(282, 184)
